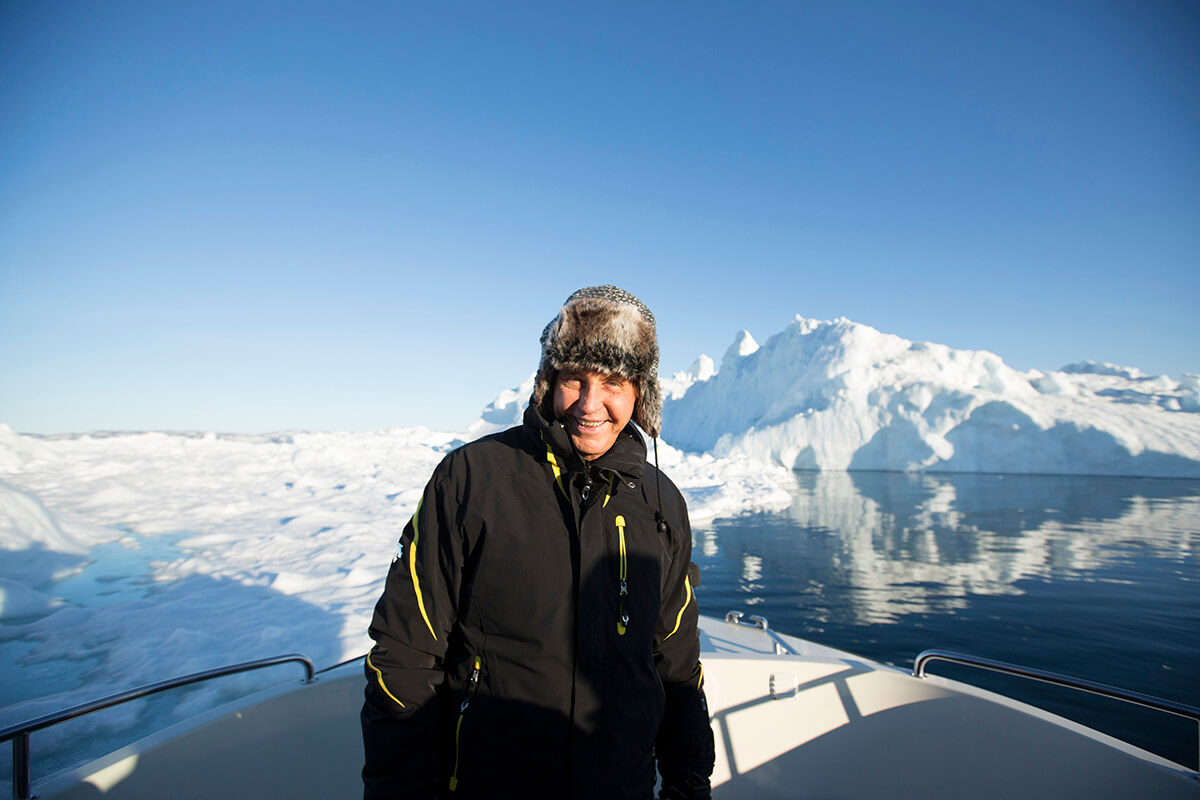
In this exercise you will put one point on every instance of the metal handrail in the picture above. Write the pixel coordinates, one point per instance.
(1081, 684)
(19, 733)
(781, 647)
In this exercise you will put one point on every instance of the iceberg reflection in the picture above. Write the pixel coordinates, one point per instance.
(874, 547)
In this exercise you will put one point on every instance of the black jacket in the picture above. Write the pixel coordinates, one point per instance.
(537, 633)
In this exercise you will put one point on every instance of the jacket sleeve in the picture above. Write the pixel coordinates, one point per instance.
(401, 717)
(684, 746)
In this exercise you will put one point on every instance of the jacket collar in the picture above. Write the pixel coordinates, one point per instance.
(627, 456)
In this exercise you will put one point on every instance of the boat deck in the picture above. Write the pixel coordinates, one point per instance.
(814, 723)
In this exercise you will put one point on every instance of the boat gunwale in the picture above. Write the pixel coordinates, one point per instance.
(749, 641)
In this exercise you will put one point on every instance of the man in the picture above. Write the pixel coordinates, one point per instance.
(537, 635)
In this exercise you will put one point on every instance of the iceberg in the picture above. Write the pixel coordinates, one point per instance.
(840, 395)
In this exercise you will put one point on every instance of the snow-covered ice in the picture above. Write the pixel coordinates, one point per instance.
(261, 545)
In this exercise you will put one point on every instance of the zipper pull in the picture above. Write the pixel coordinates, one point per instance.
(624, 625)
(472, 683)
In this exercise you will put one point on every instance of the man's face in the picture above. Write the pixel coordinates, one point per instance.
(596, 408)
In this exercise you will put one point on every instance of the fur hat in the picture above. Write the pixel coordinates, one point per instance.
(603, 329)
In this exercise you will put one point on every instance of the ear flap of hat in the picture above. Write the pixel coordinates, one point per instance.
(543, 390)
(648, 413)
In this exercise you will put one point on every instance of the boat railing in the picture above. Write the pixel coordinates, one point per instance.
(782, 648)
(1081, 684)
(19, 733)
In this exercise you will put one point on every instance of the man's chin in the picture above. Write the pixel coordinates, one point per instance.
(591, 446)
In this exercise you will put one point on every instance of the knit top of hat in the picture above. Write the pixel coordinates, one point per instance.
(613, 293)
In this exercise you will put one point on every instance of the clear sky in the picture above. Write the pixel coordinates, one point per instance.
(257, 216)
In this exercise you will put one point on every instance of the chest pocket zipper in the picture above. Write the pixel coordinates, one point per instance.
(472, 685)
(623, 620)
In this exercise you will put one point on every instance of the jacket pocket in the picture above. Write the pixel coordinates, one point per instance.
(468, 694)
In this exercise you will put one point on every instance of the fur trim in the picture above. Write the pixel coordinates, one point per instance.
(603, 329)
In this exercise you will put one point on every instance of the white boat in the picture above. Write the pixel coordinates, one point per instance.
(791, 719)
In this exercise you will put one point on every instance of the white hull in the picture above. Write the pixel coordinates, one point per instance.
(838, 726)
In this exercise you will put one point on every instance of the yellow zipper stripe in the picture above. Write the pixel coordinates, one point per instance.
(608, 492)
(679, 618)
(624, 572)
(458, 731)
(412, 566)
(557, 471)
(621, 533)
(382, 685)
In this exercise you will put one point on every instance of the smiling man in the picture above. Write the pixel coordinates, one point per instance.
(594, 407)
(537, 635)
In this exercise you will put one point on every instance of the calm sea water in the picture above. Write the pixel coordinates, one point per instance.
(1098, 578)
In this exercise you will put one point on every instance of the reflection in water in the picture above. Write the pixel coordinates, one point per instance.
(873, 547)
(1095, 577)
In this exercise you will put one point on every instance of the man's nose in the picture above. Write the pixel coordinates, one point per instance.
(589, 397)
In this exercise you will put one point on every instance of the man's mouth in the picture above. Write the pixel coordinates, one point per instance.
(588, 424)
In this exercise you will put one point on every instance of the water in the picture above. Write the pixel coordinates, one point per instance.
(119, 571)
(1092, 577)
(113, 573)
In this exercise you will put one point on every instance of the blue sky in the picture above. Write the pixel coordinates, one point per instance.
(267, 216)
